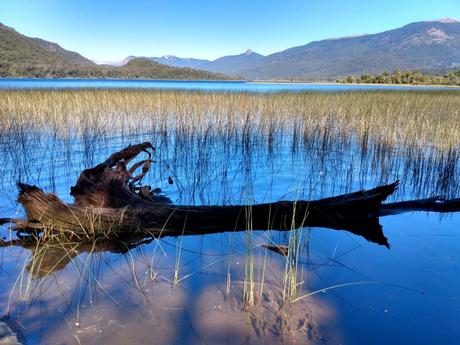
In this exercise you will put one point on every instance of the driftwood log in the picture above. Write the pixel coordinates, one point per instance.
(111, 202)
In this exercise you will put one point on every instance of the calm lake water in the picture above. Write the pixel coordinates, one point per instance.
(123, 292)
(197, 85)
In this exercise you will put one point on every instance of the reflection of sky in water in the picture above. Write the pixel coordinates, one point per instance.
(196, 85)
(114, 294)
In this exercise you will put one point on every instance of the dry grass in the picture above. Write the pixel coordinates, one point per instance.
(415, 119)
(410, 135)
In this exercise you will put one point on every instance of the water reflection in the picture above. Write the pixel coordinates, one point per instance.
(54, 255)
(134, 275)
(219, 170)
(42, 83)
(95, 292)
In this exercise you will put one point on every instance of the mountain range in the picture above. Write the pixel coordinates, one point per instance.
(428, 46)
(22, 56)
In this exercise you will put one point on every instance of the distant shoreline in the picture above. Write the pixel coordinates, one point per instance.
(274, 82)
(122, 79)
(210, 85)
(350, 84)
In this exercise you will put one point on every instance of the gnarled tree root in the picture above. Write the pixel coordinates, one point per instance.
(110, 201)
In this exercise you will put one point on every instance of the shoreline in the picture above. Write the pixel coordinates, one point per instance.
(246, 81)
(356, 86)
(349, 84)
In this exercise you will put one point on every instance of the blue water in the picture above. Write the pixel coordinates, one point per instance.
(235, 86)
(112, 294)
(408, 294)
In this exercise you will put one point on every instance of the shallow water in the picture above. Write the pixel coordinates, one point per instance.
(119, 294)
(235, 86)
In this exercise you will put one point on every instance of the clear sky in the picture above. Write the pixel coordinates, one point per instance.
(111, 30)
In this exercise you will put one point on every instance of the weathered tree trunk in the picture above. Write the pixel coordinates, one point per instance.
(110, 201)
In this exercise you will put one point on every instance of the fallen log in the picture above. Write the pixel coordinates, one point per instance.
(110, 201)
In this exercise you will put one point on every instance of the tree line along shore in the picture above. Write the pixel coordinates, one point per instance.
(405, 77)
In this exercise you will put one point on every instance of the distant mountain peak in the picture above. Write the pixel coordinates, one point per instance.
(248, 52)
(446, 20)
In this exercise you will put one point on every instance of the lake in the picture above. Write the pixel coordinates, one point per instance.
(198, 85)
(344, 286)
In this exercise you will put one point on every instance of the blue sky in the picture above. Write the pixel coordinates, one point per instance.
(111, 30)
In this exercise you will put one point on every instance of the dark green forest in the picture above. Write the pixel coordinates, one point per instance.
(405, 77)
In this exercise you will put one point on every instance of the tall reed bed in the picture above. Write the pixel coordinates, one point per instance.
(391, 118)
(413, 134)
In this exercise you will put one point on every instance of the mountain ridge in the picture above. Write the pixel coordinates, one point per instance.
(67, 54)
(229, 64)
(431, 46)
(23, 56)
(428, 46)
